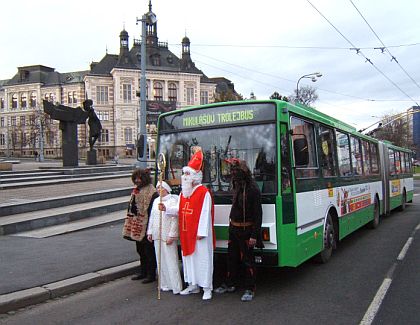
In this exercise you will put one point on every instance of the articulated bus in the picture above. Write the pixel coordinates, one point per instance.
(319, 178)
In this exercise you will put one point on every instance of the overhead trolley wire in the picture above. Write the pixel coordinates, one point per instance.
(359, 51)
(281, 78)
(384, 48)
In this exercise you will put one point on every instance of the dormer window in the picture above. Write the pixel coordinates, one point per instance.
(156, 60)
(170, 59)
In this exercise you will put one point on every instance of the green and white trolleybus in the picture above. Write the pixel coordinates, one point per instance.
(319, 178)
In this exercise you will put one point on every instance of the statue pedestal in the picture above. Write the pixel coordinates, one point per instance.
(91, 157)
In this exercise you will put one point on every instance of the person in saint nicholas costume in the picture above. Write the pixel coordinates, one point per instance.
(196, 223)
(169, 268)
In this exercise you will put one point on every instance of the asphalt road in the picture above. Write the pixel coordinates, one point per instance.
(339, 292)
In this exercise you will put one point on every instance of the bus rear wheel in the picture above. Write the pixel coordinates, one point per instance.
(329, 241)
(403, 202)
(375, 221)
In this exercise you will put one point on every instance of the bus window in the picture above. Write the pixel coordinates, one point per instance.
(343, 153)
(366, 157)
(407, 162)
(304, 148)
(391, 162)
(402, 158)
(397, 163)
(286, 182)
(328, 163)
(373, 150)
(356, 156)
(256, 144)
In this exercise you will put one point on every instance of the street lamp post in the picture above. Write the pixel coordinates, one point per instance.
(41, 134)
(313, 76)
(142, 133)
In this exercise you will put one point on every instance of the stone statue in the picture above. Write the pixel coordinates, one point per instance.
(95, 125)
(69, 117)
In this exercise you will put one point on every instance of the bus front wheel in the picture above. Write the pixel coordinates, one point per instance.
(329, 241)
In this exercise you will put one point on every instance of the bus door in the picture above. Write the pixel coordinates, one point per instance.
(384, 162)
(286, 226)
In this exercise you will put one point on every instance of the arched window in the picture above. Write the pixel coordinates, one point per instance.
(33, 99)
(23, 100)
(14, 101)
(158, 91)
(172, 92)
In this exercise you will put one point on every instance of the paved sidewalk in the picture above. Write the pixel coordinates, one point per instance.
(27, 263)
(35, 270)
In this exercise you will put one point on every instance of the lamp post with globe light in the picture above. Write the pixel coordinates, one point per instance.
(148, 18)
(313, 76)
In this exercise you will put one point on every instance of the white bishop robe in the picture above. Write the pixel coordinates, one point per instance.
(198, 267)
(170, 275)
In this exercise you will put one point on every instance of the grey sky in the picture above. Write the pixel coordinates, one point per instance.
(262, 46)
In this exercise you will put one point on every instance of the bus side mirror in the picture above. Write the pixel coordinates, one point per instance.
(140, 146)
(300, 148)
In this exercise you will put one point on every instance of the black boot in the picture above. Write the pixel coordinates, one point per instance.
(139, 276)
(149, 279)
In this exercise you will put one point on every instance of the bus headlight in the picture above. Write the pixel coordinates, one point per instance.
(265, 234)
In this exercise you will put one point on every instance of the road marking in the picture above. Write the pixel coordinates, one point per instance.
(380, 294)
(376, 303)
(405, 249)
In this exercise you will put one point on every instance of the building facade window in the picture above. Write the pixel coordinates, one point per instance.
(14, 101)
(172, 92)
(23, 101)
(13, 121)
(49, 97)
(128, 135)
(127, 93)
(190, 96)
(2, 103)
(157, 91)
(72, 97)
(33, 99)
(103, 115)
(50, 138)
(204, 97)
(22, 121)
(102, 94)
(2, 122)
(32, 119)
(104, 138)
(2, 139)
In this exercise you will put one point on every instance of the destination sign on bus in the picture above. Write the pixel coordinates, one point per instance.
(219, 116)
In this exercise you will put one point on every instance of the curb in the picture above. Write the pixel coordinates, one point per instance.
(23, 298)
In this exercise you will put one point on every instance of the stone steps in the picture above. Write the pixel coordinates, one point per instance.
(22, 205)
(82, 178)
(21, 222)
(109, 218)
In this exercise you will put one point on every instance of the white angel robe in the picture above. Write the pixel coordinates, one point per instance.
(198, 267)
(170, 275)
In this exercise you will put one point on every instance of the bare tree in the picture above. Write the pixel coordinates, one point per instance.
(307, 96)
(226, 96)
(276, 95)
(395, 130)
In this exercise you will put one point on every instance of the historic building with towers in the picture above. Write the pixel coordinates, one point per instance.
(113, 83)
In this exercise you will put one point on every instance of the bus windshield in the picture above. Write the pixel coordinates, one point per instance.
(256, 144)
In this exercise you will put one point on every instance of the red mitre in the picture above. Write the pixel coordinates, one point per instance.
(196, 161)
